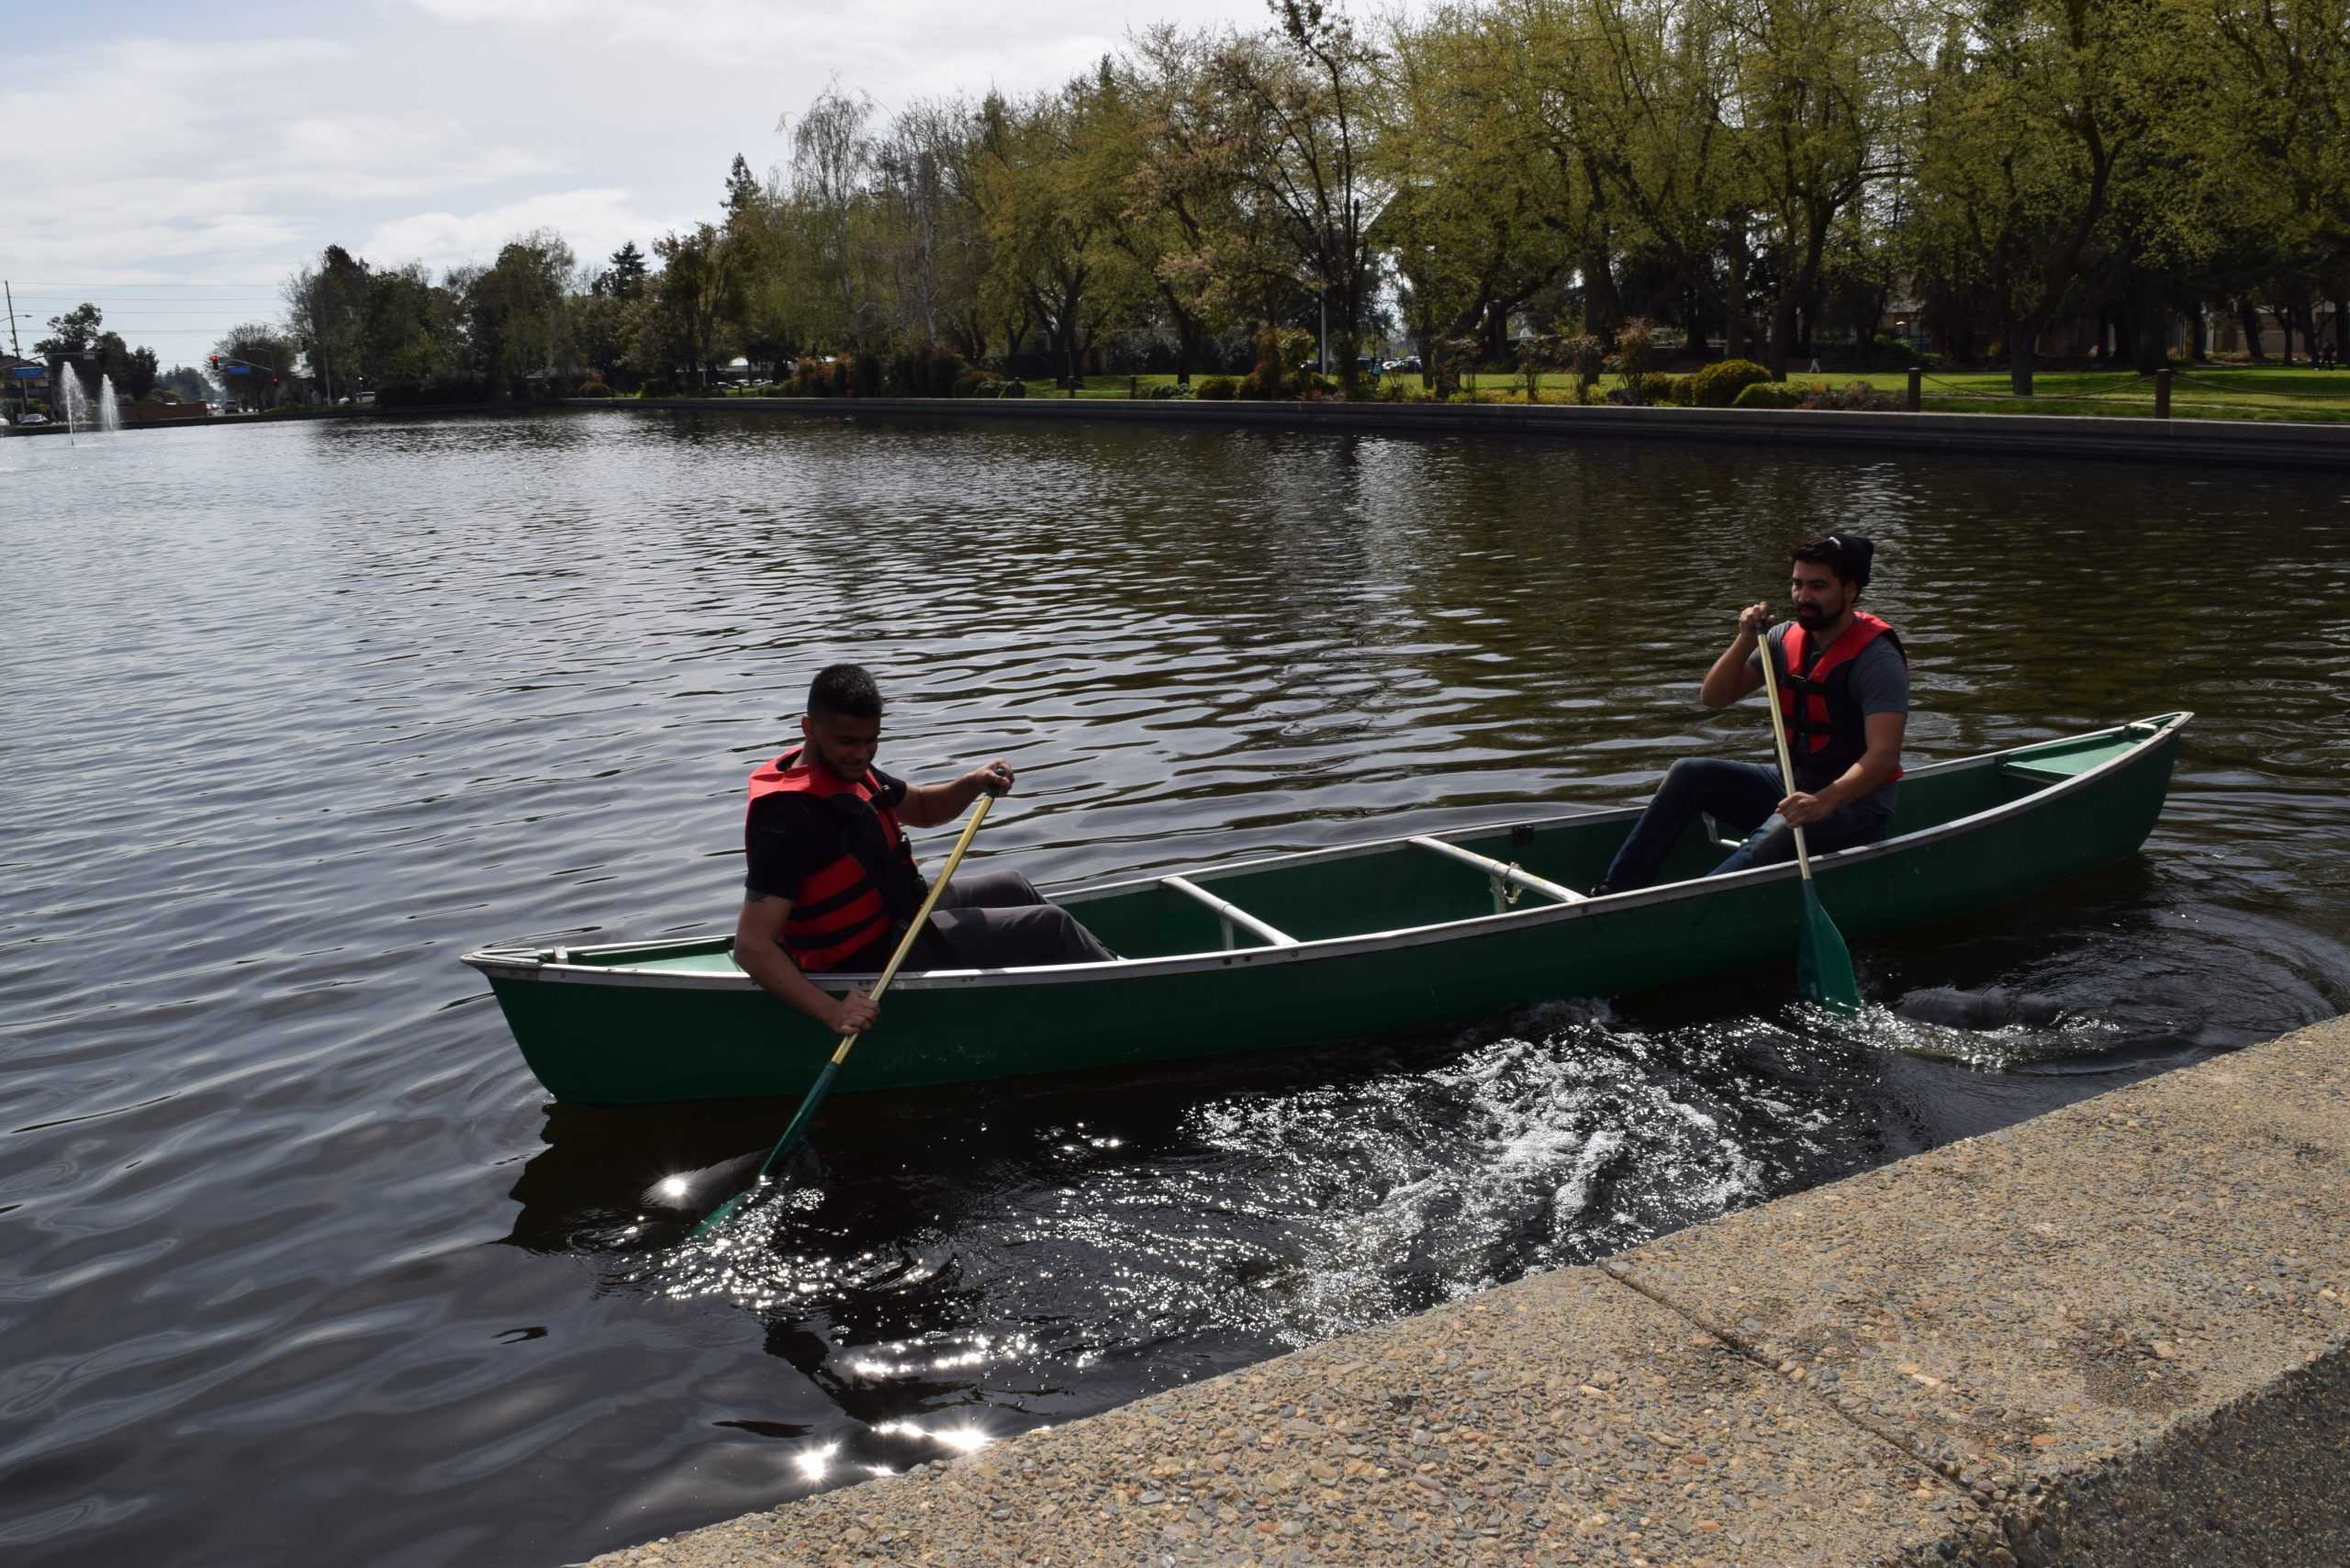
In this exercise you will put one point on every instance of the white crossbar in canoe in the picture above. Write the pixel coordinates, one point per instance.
(1232, 914)
(1500, 872)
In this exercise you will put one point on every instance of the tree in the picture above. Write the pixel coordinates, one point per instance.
(626, 280)
(1187, 223)
(414, 335)
(929, 226)
(686, 301)
(742, 186)
(832, 161)
(2027, 127)
(1812, 112)
(1484, 217)
(266, 355)
(326, 309)
(187, 384)
(515, 310)
(139, 372)
(71, 332)
(1301, 97)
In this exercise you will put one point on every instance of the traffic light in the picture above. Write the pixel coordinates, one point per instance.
(215, 362)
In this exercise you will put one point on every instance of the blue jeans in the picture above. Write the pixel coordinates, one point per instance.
(1743, 795)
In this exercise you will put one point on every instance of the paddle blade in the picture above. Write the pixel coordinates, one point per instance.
(689, 1189)
(1823, 965)
(718, 1216)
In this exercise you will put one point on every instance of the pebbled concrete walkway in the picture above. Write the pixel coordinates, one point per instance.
(2118, 1334)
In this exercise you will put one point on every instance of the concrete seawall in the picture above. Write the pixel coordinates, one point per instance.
(2116, 1335)
(2207, 443)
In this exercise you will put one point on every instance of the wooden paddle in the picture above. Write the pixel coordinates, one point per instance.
(823, 1086)
(1823, 965)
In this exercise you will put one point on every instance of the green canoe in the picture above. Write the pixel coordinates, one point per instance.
(1332, 944)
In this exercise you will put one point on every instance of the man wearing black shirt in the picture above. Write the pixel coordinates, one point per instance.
(1844, 692)
(832, 883)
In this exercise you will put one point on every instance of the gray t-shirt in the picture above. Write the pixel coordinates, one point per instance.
(1880, 683)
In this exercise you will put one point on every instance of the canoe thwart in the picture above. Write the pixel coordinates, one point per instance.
(1499, 871)
(1232, 914)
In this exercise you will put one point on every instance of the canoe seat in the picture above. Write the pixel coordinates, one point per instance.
(1230, 913)
(1501, 875)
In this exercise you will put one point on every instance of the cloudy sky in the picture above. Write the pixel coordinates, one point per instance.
(174, 161)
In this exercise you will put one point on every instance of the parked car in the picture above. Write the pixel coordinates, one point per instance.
(32, 419)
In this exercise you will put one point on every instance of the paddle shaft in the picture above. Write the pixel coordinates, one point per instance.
(1779, 736)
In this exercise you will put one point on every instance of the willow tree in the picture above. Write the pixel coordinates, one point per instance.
(1186, 224)
(2032, 118)
(1479, 221)
(1814, 112)
(1299, 100)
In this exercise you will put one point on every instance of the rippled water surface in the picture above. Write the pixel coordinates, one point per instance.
(299, 1265)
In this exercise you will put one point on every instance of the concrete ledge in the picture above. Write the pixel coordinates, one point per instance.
(2205, 442)
(2118, 1334)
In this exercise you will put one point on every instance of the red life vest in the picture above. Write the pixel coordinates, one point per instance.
(862, 894)
(1826, 730)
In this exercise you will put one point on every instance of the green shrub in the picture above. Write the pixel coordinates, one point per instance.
(1217, 389)
(1655, 388)
(1770, 395)
(974, 383)
(1718, 385)
(1011, 389)
(1165, 390)
(1892, 350)
(1635, 341)
(591, 389)
(1587, 356)
(923, 370)
(1857, 396)
(1279, 371)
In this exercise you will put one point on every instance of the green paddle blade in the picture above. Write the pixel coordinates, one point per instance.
(1823, 966)
(718, 1216)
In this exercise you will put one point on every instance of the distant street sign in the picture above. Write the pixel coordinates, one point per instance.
(27, 372)
(236, 370)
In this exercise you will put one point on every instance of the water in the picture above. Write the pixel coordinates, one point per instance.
(298, 713)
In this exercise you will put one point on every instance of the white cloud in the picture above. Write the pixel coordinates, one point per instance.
(594, 220)
(437, 129)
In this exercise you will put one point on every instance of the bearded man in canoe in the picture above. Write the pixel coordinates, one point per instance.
(833, 885)
(1845, 690)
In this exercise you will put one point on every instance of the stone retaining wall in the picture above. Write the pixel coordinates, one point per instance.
(2201, 441)
(2116, 1335)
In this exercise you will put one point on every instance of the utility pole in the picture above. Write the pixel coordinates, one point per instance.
(15, 344)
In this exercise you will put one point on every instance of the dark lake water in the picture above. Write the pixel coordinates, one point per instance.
(297, 1261)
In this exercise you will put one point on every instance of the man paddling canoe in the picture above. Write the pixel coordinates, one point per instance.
(832, 883)
(1844, 689)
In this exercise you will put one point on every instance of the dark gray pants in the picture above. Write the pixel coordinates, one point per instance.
(997, 919)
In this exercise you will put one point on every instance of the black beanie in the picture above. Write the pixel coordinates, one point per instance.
(1853, 554)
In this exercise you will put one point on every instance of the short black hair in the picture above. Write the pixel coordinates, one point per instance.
(844, 690)
(1846, 555)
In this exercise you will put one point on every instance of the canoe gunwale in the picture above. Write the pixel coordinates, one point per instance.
(501, 963)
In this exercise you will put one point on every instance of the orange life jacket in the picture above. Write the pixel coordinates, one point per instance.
(1826, 731)
(862, 894)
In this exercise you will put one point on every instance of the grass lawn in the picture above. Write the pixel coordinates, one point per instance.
(2208, 392)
